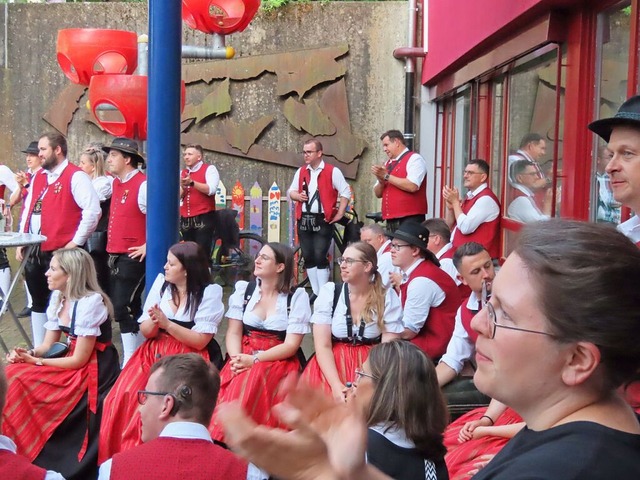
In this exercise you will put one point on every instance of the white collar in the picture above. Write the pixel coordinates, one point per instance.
(129, 175)
(382, 247)
(444, 250)
(401, 154)
(56, 172)
(475, 192)
(186, 430)
(196, 167)
(413, 266)
(472, 303)
(7, 444)
(523, 189)
(318, 168)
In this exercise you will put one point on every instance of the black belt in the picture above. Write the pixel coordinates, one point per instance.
(357, 340)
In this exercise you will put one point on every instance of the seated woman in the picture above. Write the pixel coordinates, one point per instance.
(54, 405)
(349, 319)
(398, 392)
(267, 322)
(183, 311)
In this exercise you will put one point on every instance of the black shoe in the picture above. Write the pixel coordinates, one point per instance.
(312, 298)
(25, 312)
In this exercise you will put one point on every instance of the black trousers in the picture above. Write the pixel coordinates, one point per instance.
(34, 272)
(394, 223)
(315, 245)
(126, 284)
(199, 229)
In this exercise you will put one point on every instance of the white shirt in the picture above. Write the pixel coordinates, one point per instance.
(422, 294)
(142, 193)
(484, 210)
(186, 431)
(297, 321)
(524, 209)
(385, 265)
(102, 186)
(324, 304)
(207, 317)
(211, 177)
(7, 178)
(90, 314)
(337, 181)
(460, 348)
(631, 228)
(446, 264)
(7, 444)
(84, 195)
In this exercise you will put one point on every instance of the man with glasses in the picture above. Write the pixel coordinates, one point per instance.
(524, 207)
(321, 194)
(175, 411)
(401, 182)
(477, 217)
(428, 295)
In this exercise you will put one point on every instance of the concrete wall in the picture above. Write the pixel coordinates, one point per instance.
(30, 77)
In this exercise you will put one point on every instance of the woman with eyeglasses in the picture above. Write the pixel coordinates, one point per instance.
(54, 405)
(349, 319)
(181, 315)
(92, 162)
(267, 322)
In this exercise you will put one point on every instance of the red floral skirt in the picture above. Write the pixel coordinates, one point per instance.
(348, 357)
(257, 389)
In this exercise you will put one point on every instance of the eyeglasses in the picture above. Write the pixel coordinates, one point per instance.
(491, 312)
(349, 261)
(308, 152)
(397, 246)
(360, 374)
(143, 394)
(263, 257)
(469, 172)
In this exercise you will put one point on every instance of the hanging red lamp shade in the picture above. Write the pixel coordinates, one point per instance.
(128, 95)
(219, 16)
(85, 52)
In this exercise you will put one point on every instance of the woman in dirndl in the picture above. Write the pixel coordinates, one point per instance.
(181, 315)
(351, 318)
(267, 322)
(54, 405)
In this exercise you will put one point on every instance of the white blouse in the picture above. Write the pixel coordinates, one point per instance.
(324, 304)
(90, 314)
(299, 315)
(207, 317)
(102, 186)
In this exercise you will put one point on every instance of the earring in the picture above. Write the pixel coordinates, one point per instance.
(372, 279)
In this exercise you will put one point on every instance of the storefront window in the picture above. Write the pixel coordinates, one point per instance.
(497, 159)
(612, 47)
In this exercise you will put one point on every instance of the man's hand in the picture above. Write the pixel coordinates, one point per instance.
(138, 252)
(337, 218)
(185, 181)
(451, 195)
(379, 171)
(19, 254)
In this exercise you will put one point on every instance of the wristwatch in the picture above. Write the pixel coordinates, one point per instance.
(39, 363)
(255, 359)
(386, 177)
(192, 183)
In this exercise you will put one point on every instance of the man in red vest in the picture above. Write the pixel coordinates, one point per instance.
(175, 410)
(13, 465)
(477, 271)
(316, 188)
(622, 132)
(429, 296)
(525, 207)
(63, 206)
(127, 239)
(477, 217)
(374, 235)
(199, 182)
(401, 182)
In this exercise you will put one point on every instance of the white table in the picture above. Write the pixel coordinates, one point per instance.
(14, 239)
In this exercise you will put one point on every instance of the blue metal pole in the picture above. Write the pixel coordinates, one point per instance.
(163, 152)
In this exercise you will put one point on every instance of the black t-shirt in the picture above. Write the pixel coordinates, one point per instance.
(576, 450)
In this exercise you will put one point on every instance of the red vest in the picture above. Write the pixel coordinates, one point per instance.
(387, 248)
(127, 224)
(397, 203)
(328, 194)
(434, 336)
(167, 458)
(466, 316)
(18, 467)
(60, 214)
(487, 234)
(195, 202)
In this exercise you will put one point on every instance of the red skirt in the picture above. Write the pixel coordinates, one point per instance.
(347, 356)
(256, 388)
(460, 457)
(121, 427)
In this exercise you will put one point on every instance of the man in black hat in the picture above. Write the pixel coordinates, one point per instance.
(127, 239)
(63, 206)
(430, 298)
(622, 132)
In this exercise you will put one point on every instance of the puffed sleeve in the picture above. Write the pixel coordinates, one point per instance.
(52, 311)
(210, 311)
(393, 312)
(236, 301)
(323, 306)
(300, 313)
(153, 297)
(90, 314)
